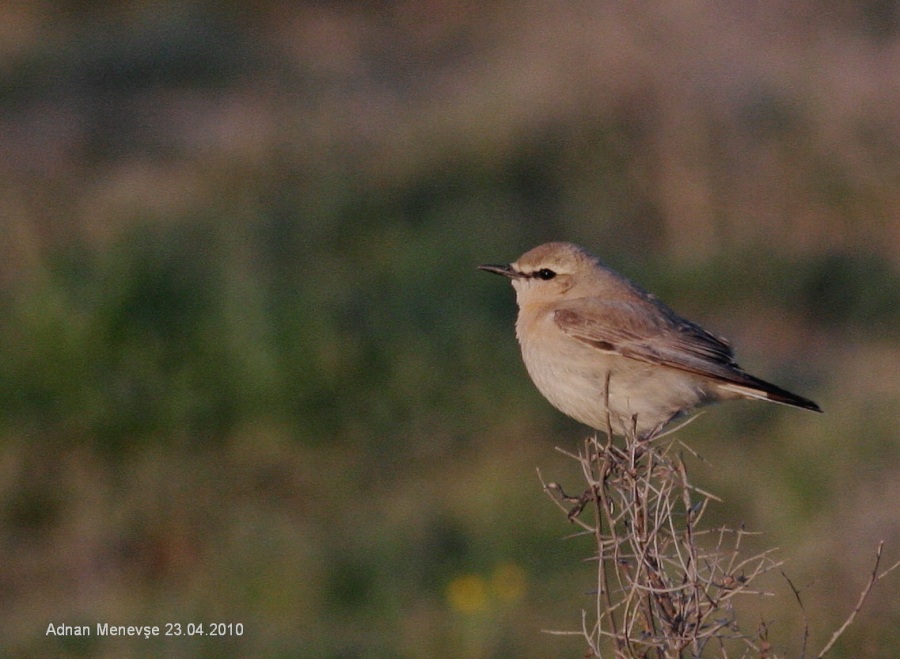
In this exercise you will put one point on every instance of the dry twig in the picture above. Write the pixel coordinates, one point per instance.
(874, 577)
(659, 593)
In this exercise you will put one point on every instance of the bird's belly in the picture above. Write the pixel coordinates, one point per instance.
(641, 396)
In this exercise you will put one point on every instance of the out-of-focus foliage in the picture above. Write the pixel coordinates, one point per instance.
(249, 374)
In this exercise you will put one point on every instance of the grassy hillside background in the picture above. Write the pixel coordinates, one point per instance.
(249, 373)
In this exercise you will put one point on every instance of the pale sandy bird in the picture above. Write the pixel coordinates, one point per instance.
(600, 348)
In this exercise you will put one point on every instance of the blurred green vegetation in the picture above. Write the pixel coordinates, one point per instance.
(249, 373)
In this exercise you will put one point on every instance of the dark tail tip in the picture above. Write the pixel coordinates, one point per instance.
(779, 395)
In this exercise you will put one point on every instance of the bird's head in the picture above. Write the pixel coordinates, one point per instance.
(549, 272)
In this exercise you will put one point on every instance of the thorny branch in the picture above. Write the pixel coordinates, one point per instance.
(660, 590)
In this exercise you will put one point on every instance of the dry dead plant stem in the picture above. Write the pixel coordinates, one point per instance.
(874, 577)
(659, 592)
(665, 586)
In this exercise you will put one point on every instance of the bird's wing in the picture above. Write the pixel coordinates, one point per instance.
(648, 331)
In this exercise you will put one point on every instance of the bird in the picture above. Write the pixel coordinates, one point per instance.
(612, 356)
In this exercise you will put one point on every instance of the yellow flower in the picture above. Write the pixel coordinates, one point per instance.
(472, 593)
(467, 593)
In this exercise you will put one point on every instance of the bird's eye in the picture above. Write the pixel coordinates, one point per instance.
(546, 273)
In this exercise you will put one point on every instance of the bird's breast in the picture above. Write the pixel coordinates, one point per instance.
(574, 377)
(570, 374)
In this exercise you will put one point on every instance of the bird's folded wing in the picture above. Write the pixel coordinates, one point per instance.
(649, 332)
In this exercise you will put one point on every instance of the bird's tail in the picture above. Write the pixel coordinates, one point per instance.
(762, 390)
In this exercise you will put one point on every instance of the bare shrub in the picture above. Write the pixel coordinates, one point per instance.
(665, 585)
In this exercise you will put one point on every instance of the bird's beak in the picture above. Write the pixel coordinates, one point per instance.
(505, 270)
